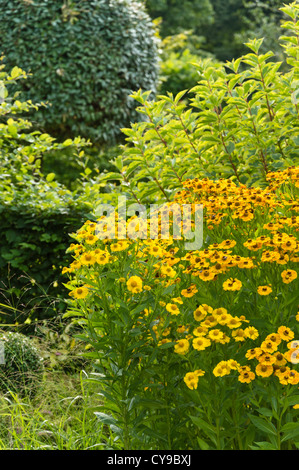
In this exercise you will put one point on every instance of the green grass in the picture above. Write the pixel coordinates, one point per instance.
(60, 416)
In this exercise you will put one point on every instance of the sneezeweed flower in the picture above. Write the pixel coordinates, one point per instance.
(232, 285)
(178, 300)
(181, 346)
(239, 334)
(173, 309)
(200, 313)
(288, 275)
(79, 293)
(269, 346)
(183, 329)
(190, 291)
(264, 370)
(200, 343)
(87, 259)
(216, 335)
(264, 290)
(120, 245)
(253, 353)
(233, 322)
(246, 376)
(222, 369)
(134, 284)
(285, 333)
(200, 331)
(103, 258)
(274, 337)
(251, 332)
(233, 364)
(191, 380)
(168, 271)
(207, 275)
(280, 359)
(267, 359)
(90, 239)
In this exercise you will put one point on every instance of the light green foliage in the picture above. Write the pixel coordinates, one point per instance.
(23, 366)
(85, 59)
(239, 122)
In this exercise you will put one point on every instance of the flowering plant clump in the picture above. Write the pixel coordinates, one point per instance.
(201, 343)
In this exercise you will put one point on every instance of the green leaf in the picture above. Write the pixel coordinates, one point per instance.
(50, 177)
(263, 425)
(290, 431)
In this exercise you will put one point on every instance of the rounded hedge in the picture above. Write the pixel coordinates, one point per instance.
(22, 368)
(85, 57)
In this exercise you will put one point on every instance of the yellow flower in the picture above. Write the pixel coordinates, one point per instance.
(232, 284)
(190, 291)
(87, 259)
(200, 331)
(264, 290)
(80, 293)
(280, 359)
(200, 313)
(216, 335)
(251, 332)
(134, 284)
(178, 300)
(233, 322)
(269, 346)
(206, 275)
(200, 343)
(239, 334)
(191, 380)
(223, 368)
(168, 271)
(288, 275)
(91, 239)
(264, 370)
(181, 346)
(285, 333)
(246, 376)
(173, 309)
(120, 245)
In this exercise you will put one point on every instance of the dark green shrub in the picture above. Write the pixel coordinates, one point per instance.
(23, 368)
(34, 233)
(178, 15)
(85, 57)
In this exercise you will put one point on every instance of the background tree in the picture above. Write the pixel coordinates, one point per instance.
(85, 57)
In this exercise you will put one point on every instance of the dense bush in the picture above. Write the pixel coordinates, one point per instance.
(35, 227)
(85, 59)
(23, 366)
